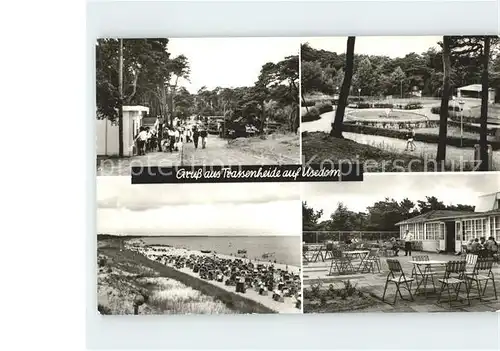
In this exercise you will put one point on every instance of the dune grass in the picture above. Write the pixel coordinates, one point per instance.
(123, 274)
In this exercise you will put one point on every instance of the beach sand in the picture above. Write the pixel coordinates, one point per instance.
(288, 306)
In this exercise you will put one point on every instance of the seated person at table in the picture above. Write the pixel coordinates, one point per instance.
(482, 241)
(491, 244)
(394, 246)
(476, 246)
(469, 245)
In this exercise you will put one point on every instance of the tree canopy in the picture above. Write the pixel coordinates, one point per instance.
(381, 216)
(152, 77)
(322, 71)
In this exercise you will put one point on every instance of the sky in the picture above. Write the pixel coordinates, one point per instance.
(391, 46)
(229, 62)
(191, 209)
(452, 189)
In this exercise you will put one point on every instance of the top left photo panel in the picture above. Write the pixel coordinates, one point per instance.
(196, 101)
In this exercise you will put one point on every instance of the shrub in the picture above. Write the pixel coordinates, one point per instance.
(308, 103)
(324, 107)
(103, 309)
(363, 105)
(312, 115)
(437, 109)
(401, 134)
(413, 106)
(383, 105)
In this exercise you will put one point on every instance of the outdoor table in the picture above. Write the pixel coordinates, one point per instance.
(427, 265)
(361, 254)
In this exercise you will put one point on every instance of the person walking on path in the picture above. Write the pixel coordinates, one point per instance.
(408, 239)
(196, 136)
(141, 139)
(203, 135)
(410, 137)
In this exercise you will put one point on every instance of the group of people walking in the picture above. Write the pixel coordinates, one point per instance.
(170, 138)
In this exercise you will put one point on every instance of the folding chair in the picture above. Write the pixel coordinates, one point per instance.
(305, 250)
(328, 251)
(372, 260)
(340, 262)
(482, 264)
(454, 276)
(317, 254)
(470, 260)
(397, 276)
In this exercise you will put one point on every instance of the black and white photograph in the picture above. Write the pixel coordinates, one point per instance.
(402, 242)
(402, 104)
(198, 249)
(196, 101)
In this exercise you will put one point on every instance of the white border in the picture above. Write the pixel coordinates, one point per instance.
(305, 19)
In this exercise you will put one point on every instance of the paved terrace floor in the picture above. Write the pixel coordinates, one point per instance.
(373, 283)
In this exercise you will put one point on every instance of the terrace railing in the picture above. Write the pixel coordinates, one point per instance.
(320, 236)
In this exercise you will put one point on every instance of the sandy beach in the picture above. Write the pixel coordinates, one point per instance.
(287, 306)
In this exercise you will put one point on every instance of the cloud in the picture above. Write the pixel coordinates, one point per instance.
(117, 192)
(272, 218)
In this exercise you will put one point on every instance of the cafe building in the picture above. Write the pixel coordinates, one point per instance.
(448, 230)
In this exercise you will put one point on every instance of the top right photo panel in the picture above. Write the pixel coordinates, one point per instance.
(402, 104)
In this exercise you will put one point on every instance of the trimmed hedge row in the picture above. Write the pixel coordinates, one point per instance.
(312, 115)
(429, 138)
(323, 108)
(409, 106)
(469, 128)
(437, 109)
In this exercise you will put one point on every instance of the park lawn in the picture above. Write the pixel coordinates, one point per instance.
(318, 147)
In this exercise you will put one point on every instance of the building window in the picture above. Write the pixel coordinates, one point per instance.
(433, 231)
(419, 233)
(495, 227)
(474, 228)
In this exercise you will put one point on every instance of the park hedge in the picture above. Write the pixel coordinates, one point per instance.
(311, 115)
(324, 107)
(437, 109)
(470, 128)
(402, 134)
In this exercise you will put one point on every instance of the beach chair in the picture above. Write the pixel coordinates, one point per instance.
(454, 277)
(482, 265)
(397, 277)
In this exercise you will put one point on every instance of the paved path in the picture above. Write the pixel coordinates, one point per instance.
(425, 150)
(218, 152)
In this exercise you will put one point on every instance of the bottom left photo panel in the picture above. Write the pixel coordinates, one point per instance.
(198, 248)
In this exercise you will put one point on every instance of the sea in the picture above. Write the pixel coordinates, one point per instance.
(285, 249)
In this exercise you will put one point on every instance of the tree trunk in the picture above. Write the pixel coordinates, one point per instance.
(445, 98)
(120, 92)
(483, 133)
(304, 102)
(338, 123)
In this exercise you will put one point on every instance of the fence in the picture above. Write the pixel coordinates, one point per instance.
(315, 237)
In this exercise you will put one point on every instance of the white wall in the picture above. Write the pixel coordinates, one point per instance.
(430, 245)
(104, 126)
(112, 149)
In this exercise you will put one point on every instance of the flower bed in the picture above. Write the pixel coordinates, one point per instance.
(331, 299)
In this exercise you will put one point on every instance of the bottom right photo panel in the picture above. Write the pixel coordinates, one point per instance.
(402, 243)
